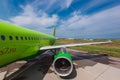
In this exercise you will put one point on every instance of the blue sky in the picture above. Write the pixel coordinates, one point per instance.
(73, 18)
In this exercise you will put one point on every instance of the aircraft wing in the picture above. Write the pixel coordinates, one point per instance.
(70, 45)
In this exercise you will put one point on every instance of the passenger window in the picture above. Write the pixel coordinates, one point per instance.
(25, 38)
(36, 38)
(21, 38)
(10, 38)
(31, 38)
(28, 38)
(17, 38)
(2, 37)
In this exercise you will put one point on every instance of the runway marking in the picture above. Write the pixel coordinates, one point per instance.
(14, 70)
(102, 72)
(75, 63)
(21, 71)
(51, 68)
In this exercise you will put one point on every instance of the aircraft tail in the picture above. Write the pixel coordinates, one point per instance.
(54, 31)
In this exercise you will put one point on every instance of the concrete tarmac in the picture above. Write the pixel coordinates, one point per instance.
(86, 67)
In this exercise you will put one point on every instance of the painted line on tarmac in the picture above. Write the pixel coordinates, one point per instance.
(14, 76)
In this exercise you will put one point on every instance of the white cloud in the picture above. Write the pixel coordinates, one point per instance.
(94, 3)
(66, 3)
(51, 5)
(103, 23)
(30, 17)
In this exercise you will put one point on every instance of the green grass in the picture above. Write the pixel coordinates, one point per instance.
(111, 49)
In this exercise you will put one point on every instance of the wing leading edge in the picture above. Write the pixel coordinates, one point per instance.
(70, 45)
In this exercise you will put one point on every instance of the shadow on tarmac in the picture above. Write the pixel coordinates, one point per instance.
(102, 58)
(33, 70)
(38, 68)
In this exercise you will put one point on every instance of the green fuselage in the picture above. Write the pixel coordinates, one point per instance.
(18, 43)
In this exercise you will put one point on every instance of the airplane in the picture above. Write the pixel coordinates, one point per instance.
(19, 43)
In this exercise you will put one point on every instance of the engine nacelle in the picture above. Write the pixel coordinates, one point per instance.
(62, 64)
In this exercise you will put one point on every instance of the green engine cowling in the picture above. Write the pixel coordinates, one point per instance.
(62, 64)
